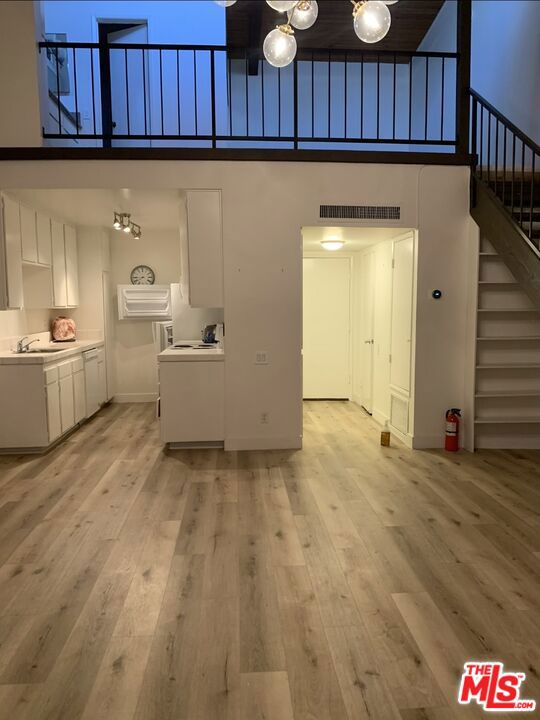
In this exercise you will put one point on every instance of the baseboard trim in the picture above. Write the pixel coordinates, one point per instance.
(379, 417)
(406, 439)
(264, 443)
(428, 442)
(135, 398)
(208, 444)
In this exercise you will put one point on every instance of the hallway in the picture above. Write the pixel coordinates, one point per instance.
(343, 581)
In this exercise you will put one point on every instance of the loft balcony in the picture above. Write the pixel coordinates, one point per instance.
(390, 101)
(181, 96)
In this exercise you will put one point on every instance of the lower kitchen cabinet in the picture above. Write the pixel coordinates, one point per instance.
(102, 377)
(192, 402)
(79, 394)
(67, 403)
(54, 420)
(40, 402)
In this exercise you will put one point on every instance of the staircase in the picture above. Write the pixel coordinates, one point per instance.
(506, 206)
(507, 384)
(506, 192)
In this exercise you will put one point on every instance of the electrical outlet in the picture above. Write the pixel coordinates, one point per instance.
(264, 418)
(261, 357)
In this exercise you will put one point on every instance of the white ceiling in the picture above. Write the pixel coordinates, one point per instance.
(355, 238)
(151, 209)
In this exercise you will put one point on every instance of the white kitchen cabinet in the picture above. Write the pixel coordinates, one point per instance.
(28, 234)
(43, 230)
(72, 269)
(41, 401)
(102, 377)
(64, 265)
(11, 279)
(67, 404)
(52, 392)
(192, 398)
(204, 248)
(79, 390)
(58, 264)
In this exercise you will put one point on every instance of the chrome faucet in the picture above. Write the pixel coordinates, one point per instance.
(22, 347)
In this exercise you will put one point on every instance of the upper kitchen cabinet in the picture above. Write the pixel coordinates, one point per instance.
(72, 266)
(58, 265)
(64, 265)
(28, 235)
(35, 237)
(11, 280)
(204, 249)
(43, 231)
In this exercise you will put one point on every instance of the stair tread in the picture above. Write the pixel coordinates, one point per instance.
(507, 421)
(506, 339)
(507, 393)
(497, 282)
(507, 310)
(508, 366)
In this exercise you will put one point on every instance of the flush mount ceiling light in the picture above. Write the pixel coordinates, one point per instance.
(371, 23)
(333, 244)
(122, 221)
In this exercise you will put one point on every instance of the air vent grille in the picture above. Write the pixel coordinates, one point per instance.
(360, 212)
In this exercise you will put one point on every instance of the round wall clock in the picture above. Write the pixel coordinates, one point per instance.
(142, 275)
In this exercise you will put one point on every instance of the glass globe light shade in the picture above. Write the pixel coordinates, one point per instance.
(282, 5)
(372, 21)
(225, 3)
(389, 2)
(304, 14)
(279, 48)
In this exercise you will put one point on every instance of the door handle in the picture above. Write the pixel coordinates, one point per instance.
(369, 342)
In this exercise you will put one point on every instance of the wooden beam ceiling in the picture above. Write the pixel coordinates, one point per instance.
(249, 21)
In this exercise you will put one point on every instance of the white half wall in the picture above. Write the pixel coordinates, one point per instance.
(20, 119)
(265, 205)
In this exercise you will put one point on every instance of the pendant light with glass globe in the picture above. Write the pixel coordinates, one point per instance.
(371, 23)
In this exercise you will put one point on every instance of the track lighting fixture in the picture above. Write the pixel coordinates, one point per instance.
(122, 221)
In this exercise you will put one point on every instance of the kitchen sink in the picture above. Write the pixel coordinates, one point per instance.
(43, 350)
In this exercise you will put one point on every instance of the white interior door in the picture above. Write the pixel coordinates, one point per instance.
(326, 342)
(402, 302)
(367, 293)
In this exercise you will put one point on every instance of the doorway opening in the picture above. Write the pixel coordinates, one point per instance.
(359, 299)
(122, 75)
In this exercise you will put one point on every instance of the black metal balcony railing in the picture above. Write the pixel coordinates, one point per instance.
(202, 96)
(508, 163)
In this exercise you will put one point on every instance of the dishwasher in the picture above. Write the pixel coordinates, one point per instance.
(90, 358)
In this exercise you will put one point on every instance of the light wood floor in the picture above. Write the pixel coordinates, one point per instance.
(343, 582)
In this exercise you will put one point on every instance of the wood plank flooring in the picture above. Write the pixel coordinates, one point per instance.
(343, 582)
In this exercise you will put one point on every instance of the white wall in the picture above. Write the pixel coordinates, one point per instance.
(135, 355)
(505, 60)
(265, 205)
(20, 120)
(441, 325)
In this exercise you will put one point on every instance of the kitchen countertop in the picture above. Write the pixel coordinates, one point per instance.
(192, 355)
(8, 357)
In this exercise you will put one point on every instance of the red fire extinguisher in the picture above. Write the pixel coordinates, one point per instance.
(451, 437)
